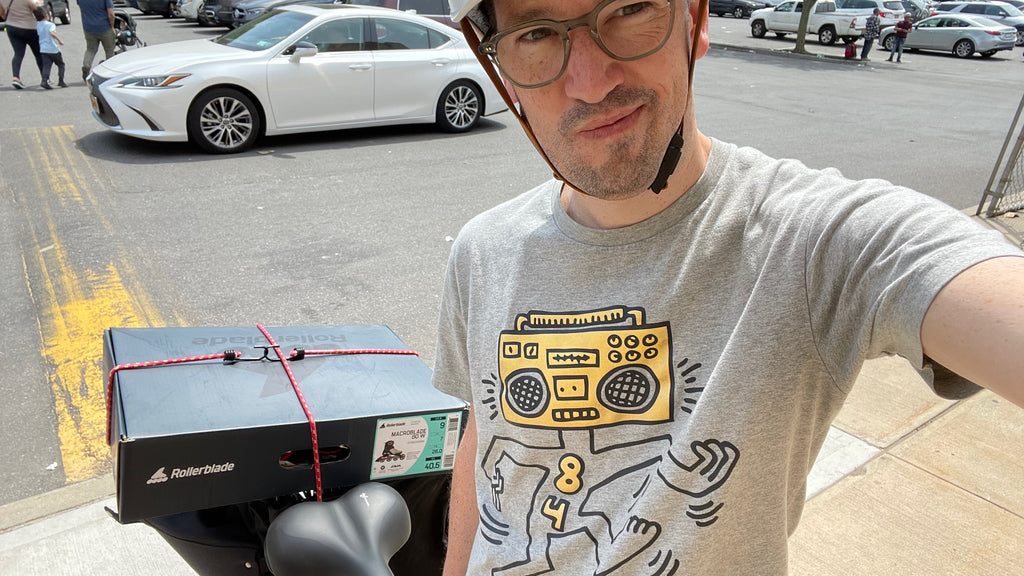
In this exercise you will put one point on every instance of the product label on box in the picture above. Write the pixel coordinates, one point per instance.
(415, 445)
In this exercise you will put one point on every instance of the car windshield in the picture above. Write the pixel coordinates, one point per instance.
(893, 5)
(265, 31)
(1012, 10)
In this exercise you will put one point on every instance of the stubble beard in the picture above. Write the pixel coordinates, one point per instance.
(632, 161)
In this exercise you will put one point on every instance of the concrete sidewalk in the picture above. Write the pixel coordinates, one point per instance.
(906, 484)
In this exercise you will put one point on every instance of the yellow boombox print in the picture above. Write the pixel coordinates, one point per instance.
(585, 369)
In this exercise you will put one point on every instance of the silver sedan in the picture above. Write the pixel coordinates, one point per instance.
(960, 34)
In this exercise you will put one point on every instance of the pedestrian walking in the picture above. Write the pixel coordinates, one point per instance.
(654, 342)
(870, 33)
(21, 32)
(48, 46)
(903, 29)
(98, 26)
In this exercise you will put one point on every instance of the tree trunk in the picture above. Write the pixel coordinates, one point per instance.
(801, 31)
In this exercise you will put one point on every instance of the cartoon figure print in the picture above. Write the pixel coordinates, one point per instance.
(573, 375)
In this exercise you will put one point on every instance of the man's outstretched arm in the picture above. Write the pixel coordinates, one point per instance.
(975, 326)
(462, 512)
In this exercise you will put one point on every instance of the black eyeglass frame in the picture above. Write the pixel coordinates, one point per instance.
(489, 45)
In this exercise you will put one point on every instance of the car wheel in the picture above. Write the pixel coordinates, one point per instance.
(963, 48)
(66, 18)
(223, 121)
(757, 29)
(719, 14)
(459, 107)
(738, 13)
(827, 35)
(1020, 37)
(887, 42)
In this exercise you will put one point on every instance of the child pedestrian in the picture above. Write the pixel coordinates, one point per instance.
(48, 46)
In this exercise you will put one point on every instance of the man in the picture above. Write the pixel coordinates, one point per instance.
(870, 33)
(903, 29)
(98, 25)
(655, 343)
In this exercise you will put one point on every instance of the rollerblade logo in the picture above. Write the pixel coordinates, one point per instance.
(177, 473)
(157, 477)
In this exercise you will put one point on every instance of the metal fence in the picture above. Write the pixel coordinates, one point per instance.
(1007, 193)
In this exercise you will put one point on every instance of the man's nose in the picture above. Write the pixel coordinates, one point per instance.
(590, 74)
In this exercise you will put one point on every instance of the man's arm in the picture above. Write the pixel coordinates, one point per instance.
(462, 511)
(975, 326)
(110, 16)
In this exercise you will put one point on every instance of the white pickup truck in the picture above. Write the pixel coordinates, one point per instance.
(827, 21)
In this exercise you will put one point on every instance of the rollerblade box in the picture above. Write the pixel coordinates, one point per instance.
(197, 435)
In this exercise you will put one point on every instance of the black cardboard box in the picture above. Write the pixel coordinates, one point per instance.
(198, 435)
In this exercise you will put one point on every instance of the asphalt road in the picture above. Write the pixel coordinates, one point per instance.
(354, 227)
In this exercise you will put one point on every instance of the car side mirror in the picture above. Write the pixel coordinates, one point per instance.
(301, 49)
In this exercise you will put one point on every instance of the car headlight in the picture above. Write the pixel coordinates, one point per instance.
(164, 81)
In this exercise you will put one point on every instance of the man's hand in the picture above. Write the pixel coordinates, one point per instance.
(708, 466)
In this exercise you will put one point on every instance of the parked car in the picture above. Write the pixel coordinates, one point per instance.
(59, 11)
(825, 20)
(434, 9)
(918, 9)
(295, 69)
(248, 10)
(738, 8)
(126, 4)
(961, 34)
(889, 11)
(161, 7)
(998, 11)
(189, 9)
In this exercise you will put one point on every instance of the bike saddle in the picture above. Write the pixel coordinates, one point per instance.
(355, 535)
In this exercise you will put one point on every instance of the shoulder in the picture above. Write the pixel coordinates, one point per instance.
(527, 209)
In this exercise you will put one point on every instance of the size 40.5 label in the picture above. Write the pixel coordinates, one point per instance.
(415, 445)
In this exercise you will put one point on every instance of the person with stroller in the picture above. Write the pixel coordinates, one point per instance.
(48, 46)
(21, 32)
(98, 25)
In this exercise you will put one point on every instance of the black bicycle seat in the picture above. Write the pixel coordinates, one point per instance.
(355, 535)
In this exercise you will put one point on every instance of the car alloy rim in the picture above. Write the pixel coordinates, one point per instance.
(461, 106)
(225, 122)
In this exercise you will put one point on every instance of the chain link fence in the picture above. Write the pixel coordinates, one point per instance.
(1005, 189)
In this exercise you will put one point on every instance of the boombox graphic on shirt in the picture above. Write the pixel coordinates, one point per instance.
(585, 369)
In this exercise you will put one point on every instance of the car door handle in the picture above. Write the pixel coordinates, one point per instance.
(439, 62)
(360, 66)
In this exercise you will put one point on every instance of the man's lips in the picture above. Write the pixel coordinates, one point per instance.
(610, 125)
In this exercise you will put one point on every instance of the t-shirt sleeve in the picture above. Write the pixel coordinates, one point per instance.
(451, 359)
(876, 257)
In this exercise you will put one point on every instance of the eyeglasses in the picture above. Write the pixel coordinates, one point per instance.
(535, 54)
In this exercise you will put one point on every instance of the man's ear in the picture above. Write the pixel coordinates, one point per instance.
(703, 41)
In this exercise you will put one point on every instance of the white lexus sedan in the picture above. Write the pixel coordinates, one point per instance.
(300, 68)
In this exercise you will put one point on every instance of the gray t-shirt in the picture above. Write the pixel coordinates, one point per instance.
(650, 399)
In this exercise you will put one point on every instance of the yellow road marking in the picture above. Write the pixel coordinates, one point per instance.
(75, 303)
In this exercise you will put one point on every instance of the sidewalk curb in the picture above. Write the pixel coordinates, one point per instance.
(41, 506)
(788, 53)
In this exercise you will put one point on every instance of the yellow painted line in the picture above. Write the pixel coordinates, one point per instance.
(75, 304)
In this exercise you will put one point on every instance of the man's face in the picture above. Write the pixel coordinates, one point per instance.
(604, 123)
